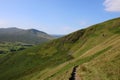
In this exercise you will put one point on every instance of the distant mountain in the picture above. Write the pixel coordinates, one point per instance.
(30, 36)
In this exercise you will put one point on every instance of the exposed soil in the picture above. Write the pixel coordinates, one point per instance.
(73, 74)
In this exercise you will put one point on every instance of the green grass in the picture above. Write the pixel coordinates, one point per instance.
(78, 62)
(8, 47)
(37, 62)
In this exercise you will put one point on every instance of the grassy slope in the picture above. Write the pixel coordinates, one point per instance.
(104, 67)
(89, 48)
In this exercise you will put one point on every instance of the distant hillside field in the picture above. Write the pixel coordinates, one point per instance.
(92, 53)
(30, 36)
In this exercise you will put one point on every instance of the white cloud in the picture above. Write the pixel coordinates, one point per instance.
(112, 5)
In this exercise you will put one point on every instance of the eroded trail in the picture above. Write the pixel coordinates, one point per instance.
(73, 74)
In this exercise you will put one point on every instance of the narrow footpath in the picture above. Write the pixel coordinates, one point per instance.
(73, 74)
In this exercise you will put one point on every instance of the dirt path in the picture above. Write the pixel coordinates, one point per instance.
(74, 75)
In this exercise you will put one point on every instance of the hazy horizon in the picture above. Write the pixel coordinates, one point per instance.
(56, 16)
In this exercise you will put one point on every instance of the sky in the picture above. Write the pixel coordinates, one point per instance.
(56, 16)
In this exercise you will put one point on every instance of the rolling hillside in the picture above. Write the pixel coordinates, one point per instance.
(93, 53)
(30, 36)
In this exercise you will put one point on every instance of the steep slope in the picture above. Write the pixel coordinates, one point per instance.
(30, 36)
(107, 65)
(95, 50)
